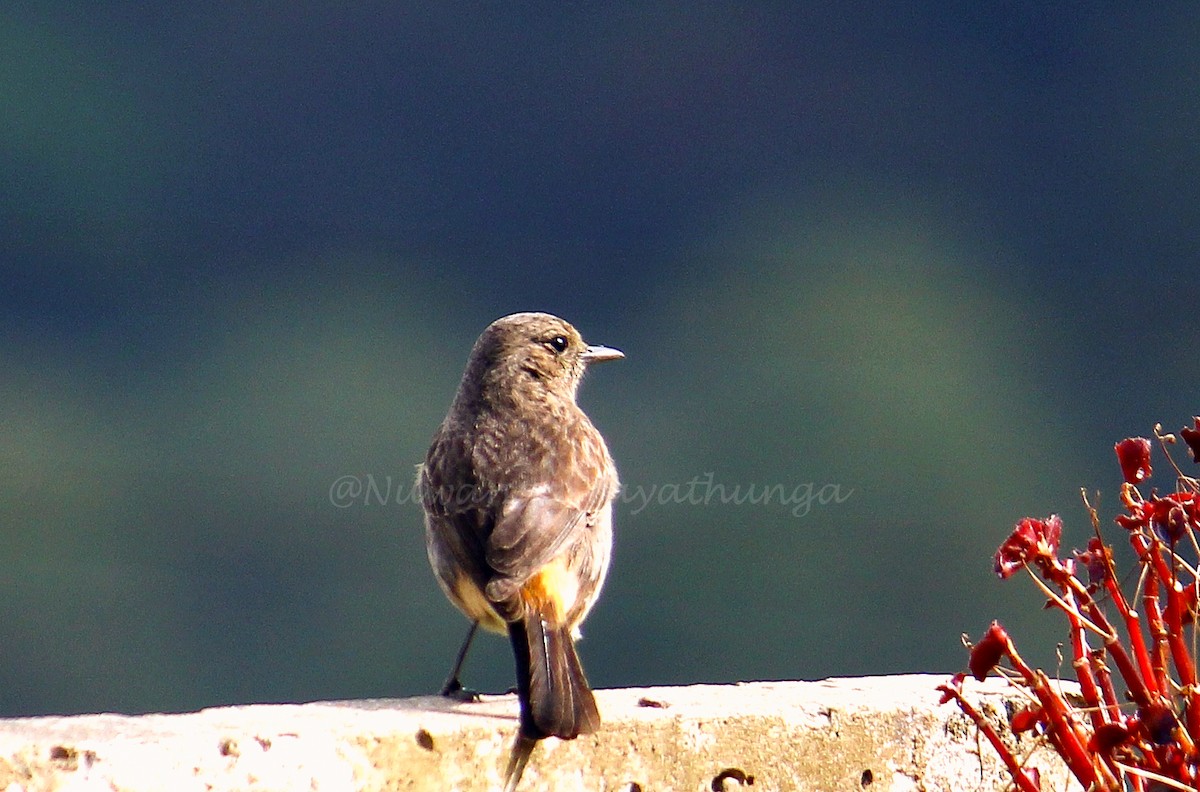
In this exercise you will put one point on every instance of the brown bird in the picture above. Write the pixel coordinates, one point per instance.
(517, 489)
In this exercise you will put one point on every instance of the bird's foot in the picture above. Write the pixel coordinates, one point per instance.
(454, 690)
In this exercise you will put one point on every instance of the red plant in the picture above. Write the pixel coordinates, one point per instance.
(1143, 738)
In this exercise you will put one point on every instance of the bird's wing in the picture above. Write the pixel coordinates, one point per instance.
(535, 524)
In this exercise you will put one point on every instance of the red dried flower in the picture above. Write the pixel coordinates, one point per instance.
(1134, 455)
(1029, 540)
(1192, 438)
(986, 654)
(1159, 722)
(1157, 741)
(1169, 517)
(1097, 558)
(1107, 737)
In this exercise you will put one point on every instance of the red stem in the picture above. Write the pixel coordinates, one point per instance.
(1157, 629)
(1104, 677)
(1152, 549)
(1133, 628)
(1022, 780)
(1061, 728)
(1061, 576)
(1083, 666)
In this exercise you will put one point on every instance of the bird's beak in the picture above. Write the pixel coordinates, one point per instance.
(599, 354)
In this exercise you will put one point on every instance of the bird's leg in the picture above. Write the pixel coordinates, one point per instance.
(453, 687)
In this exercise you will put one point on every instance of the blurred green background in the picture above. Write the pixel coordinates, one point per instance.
(939, 259)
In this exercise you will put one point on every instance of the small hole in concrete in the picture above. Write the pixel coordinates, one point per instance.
(738, 776)
(62, 753)
(425, 739)
(867, 778)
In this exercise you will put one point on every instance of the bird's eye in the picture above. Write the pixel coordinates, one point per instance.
(558, 343)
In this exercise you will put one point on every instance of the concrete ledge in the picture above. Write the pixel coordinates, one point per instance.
(876, 733)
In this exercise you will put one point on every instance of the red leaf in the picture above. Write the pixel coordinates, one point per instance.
(1134, 455)
(1025, 719)
(1192, 438)
(952, 687)
(1131, 522)
(986, 654)
(1189, 604)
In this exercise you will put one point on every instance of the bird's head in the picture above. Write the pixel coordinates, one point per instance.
(532, 353)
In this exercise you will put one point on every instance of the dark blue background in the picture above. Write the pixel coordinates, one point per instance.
(942, 258)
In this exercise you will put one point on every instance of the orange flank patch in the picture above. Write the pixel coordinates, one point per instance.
(552, 591)
(474, 604)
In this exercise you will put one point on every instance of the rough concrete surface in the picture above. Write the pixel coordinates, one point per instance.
(870, 733)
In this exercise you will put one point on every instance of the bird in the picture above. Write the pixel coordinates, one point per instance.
(517, 490)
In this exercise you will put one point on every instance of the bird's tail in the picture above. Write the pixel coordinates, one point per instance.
(556, 700)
